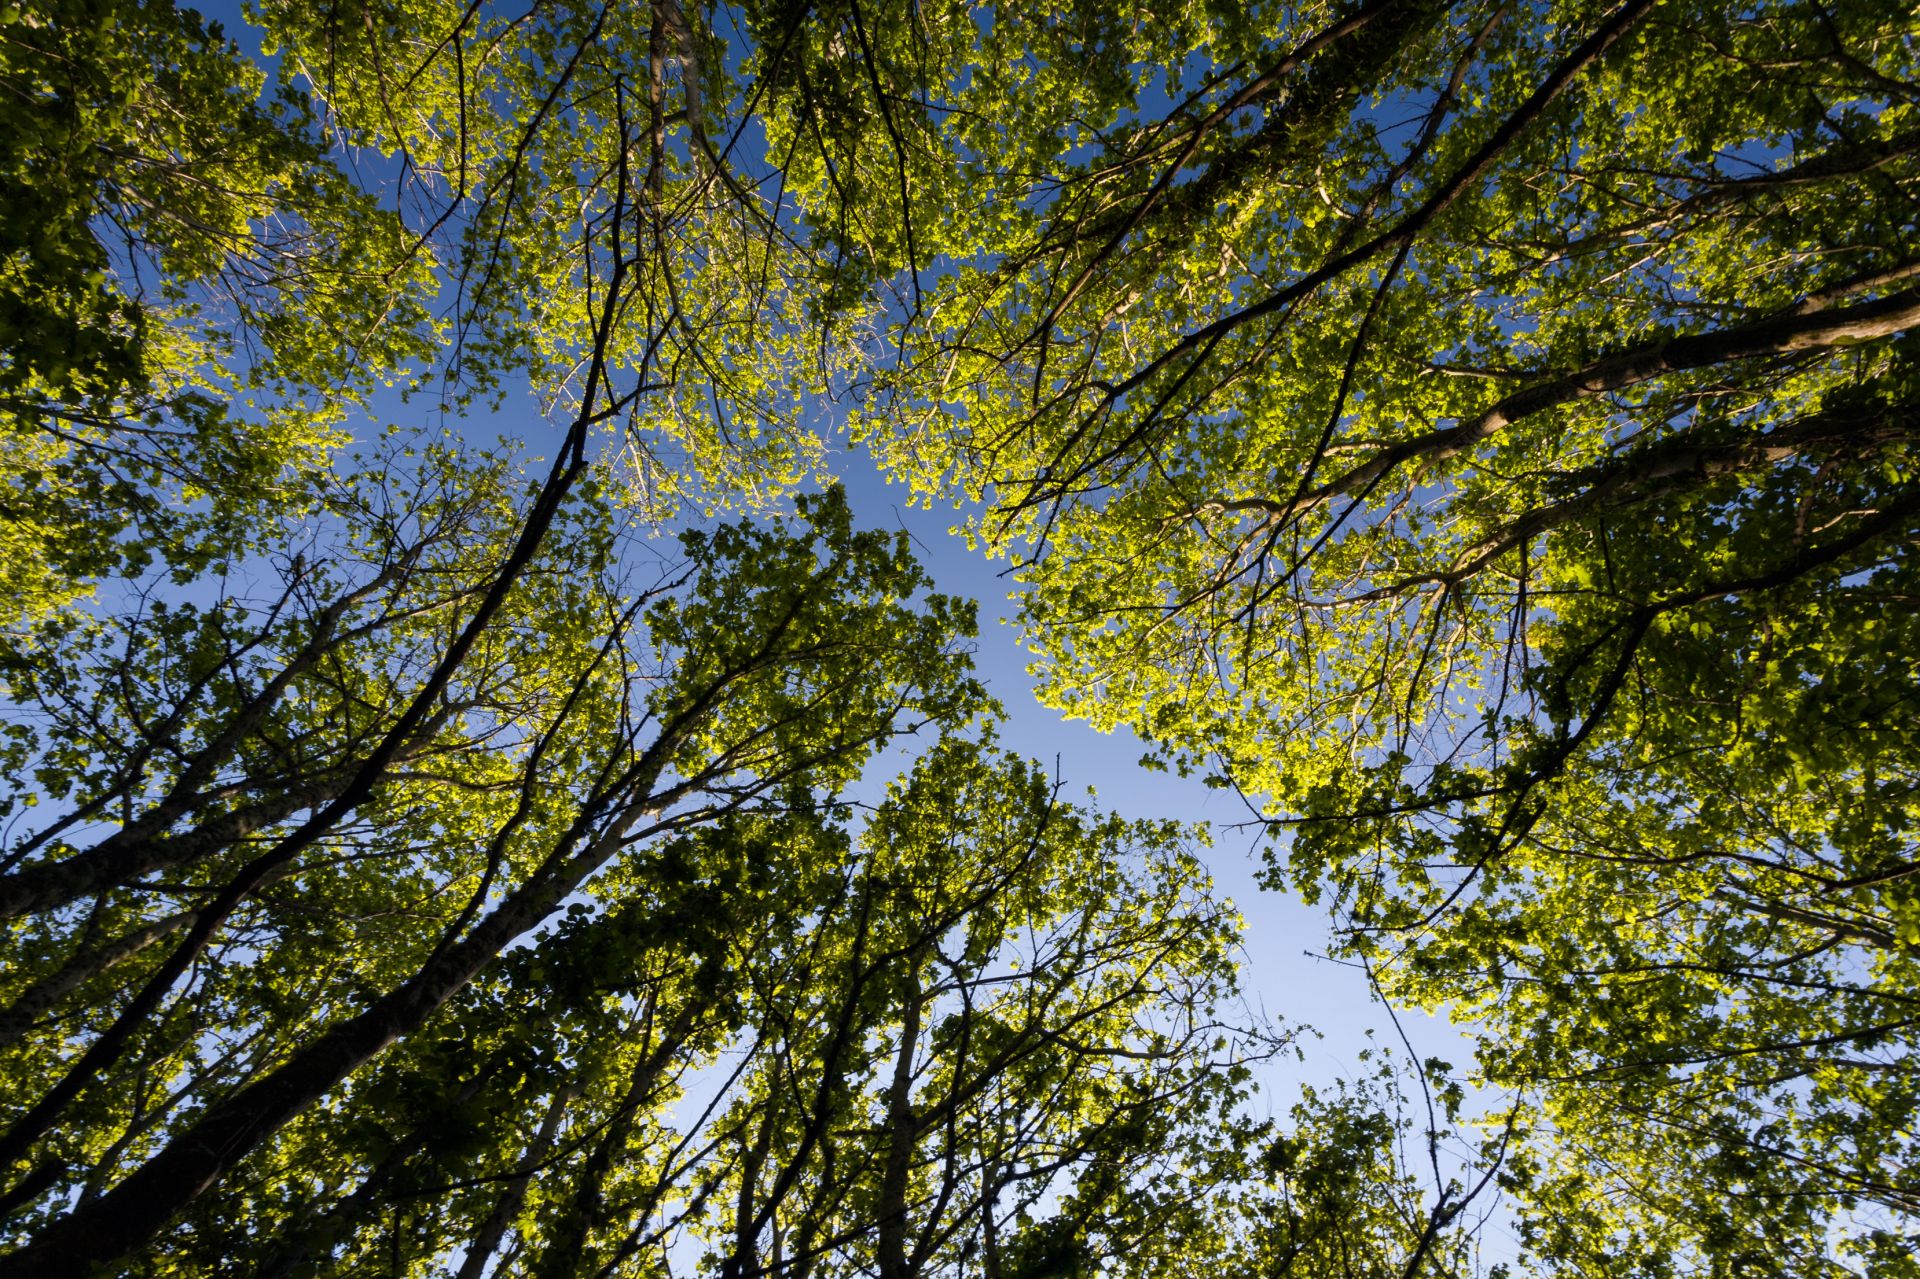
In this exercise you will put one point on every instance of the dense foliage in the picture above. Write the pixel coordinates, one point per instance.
(1482, 434)
(412, 865)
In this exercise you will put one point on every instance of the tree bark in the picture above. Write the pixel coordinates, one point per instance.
(902, 1131)
(514, 1193)
(49, 990)
(1776, 335)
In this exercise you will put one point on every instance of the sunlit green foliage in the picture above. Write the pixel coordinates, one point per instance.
(412, 866)
(191, 293)
(276, 941)
(552, 153)
(1483, 435)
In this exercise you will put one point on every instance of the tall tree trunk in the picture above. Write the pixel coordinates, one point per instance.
(514, 1192)
(902, 1132)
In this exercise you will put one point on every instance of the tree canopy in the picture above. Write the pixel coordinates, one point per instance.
(1481, 435)
(1484, 436)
